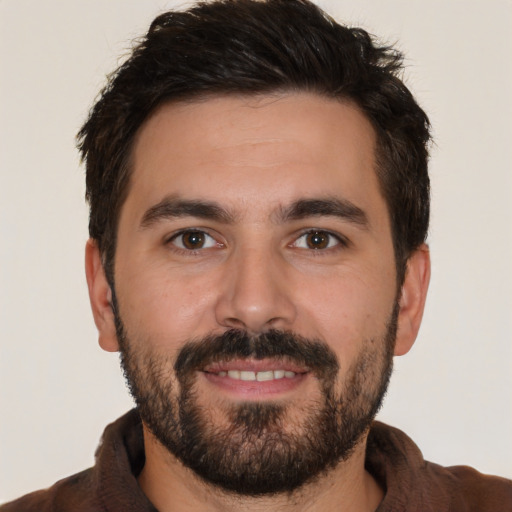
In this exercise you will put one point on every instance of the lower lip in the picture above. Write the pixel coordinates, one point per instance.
(255, 389)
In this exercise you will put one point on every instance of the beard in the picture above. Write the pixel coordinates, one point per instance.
(258, 448)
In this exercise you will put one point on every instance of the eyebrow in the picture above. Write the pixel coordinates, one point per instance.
(325, 207)
(174, 207)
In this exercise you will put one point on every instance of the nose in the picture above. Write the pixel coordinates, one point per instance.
(255, 293)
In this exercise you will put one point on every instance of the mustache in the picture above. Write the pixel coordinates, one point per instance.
(273, 344)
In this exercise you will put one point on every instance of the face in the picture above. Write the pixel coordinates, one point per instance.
(255, 286)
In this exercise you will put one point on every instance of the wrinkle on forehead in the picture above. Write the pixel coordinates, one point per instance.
(256, 153)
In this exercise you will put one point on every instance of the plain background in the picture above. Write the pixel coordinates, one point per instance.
(452, 394)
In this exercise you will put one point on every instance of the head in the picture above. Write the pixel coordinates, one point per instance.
(259, 198)
(249, 47)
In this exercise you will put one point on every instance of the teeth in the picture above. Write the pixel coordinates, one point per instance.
(262, 376)
(258, 376)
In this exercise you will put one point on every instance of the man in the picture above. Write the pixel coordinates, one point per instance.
(259, 202)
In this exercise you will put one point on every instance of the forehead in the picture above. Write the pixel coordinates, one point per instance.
(241, 149)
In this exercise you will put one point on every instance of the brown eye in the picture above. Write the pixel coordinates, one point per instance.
(193, 240)
(317, 240)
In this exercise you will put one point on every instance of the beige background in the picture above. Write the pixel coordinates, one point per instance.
(452, 393)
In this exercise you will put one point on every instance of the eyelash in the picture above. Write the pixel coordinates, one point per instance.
(341, 242)
(171, 240)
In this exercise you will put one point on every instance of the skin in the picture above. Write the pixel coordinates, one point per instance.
(254, 157)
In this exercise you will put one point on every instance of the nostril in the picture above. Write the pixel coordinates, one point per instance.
(235, 323)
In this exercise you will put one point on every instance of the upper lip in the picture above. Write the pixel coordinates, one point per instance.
(255, 365)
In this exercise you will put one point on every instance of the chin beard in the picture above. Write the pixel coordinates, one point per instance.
(255, 450)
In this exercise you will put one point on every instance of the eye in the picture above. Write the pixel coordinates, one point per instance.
(317, 239)
(193, 239)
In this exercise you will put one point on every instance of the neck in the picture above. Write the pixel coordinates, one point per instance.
(172, 487)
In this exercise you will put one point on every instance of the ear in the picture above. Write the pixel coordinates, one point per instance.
(100, 296)
(412, 300)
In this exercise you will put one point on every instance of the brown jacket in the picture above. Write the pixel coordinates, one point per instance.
(411, 484)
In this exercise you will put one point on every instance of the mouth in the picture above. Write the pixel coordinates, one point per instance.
(255, 378)
(261, 376)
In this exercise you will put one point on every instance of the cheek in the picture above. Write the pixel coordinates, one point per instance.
(164, 304)
(347, 309)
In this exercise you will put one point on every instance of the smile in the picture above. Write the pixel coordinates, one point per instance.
(252, 379)
(259, 376)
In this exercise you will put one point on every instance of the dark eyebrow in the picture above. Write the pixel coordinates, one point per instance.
(173, 207)
(329, 207)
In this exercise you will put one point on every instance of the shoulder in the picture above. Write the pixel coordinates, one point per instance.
(110, 482)
(71, 494)
(415, 485)
(481, 492)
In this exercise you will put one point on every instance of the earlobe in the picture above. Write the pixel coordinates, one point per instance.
(412, 300)
(100, 296)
